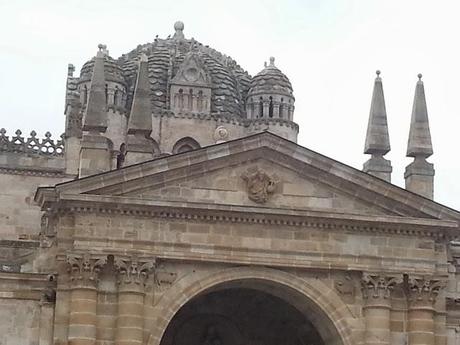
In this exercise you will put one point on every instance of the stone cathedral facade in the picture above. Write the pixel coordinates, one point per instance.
(178, 209)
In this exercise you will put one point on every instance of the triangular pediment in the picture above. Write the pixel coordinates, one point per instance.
(261, 172)
(191, 72)
(258, 182)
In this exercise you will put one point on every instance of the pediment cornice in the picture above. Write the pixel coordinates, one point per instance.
(361, 186)
(203, 212)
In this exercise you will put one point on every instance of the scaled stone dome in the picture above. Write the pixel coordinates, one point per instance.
(270, 81)
(229, 82)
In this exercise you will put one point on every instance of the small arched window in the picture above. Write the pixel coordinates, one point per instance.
(116, 96)
(270, 107)
(181, 99)
(121, 156)
(281, 108)
(261, 107)
(185, 144)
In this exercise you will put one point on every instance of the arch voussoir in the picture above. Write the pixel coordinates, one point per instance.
(316, 293)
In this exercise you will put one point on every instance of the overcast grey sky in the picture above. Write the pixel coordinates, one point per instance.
(329, 49)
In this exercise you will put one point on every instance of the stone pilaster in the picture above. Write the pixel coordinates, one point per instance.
(377, 289)
(132, 275)
(83, 298)
(422, 293)
(47, 303)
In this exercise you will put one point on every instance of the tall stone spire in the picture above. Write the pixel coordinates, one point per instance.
(139, 146)
(95, 151)
(95, 119)
(419, 143)
(140, 119)
(377, 139)
(419, 175)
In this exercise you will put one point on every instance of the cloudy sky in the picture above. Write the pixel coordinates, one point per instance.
(329, 49)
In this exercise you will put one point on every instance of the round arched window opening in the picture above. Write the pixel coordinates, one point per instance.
(185, 144)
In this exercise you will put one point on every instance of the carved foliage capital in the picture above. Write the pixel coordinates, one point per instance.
(84, 269)
(378, 286)
(423, 290)
(133, 271)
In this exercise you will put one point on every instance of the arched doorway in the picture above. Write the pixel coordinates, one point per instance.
(240, 315)
(219, 308)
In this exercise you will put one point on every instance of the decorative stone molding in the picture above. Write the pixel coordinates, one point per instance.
(259, 184)
(378, 286)
(33, 172)
(307, 220)
(422, 291)
(133, 271)
(84, 269)
(31, 145)
(220, 135)
(227, 118)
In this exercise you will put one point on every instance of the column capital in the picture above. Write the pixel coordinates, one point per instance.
(378, 286)
(133, 272)
(84, 268)
(423, 290)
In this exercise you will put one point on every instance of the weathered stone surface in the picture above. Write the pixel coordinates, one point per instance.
(255, 240)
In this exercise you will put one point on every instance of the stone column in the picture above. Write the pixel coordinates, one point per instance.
(422, 293)
(276, 110)
(132, 274)
(377, 297)
(83, 298)
(265, 107)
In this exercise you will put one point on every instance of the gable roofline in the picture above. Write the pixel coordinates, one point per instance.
(363, 181)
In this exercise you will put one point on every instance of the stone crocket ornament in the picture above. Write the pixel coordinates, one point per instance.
(259, 184)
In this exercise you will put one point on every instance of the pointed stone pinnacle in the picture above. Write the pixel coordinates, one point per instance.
(377, 138)
(95, 119)
(419, 143)
(140, 119)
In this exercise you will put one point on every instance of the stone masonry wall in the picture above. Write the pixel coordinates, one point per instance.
(19, 216)
(20, 322)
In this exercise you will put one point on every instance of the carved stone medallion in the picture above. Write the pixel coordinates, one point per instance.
(259, 184)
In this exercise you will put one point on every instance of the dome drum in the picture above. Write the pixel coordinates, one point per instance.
(270, 95)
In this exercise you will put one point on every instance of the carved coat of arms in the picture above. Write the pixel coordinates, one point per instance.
(259, 184)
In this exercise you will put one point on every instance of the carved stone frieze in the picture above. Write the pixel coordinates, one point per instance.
(133, 271)
(423, 290)
(260, 184)
(378, 286)
(84, 269)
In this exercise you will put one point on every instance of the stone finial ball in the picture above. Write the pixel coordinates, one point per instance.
(179, 26)
(377, 72)
(419, 76)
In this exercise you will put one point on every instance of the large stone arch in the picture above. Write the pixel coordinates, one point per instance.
(330, 310)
